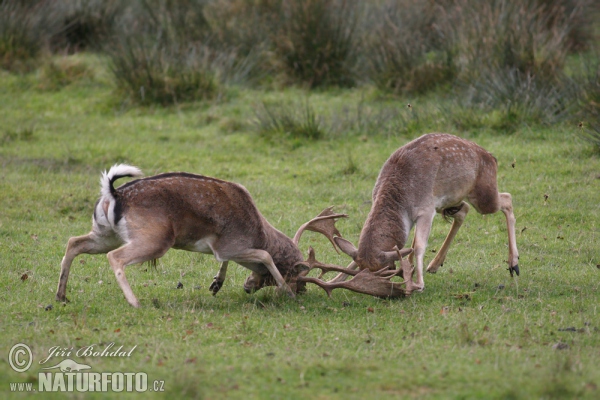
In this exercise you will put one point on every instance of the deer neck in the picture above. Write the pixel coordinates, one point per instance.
(387, 225)
(283, 250)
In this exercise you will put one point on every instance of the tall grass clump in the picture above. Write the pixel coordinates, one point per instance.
(587, 82)
(409, 46)
(24, 27)
(291, 121)
(84, 24)
(531, 36)
(512, 58)
(315, 41)
(513, 98)
(159, 53)
(148, 73)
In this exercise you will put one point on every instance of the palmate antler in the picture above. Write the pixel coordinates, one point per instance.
(375, 283)
(323, 223)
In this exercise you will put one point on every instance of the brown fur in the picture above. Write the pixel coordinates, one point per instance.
(433, 173)
(189, 212)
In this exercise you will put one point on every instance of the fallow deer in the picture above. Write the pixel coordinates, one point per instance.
(434, 173)
(142, 219)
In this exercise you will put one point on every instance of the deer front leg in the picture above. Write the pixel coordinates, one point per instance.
(217, 283)
(459, 218)
(513, 254)
(422, 230)
(86, 244)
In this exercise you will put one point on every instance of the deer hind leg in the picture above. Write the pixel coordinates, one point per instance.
(422, 230)
(513, 254)
(218, 280)
(487, 200)
(86, 244)
(133, 253)
(458, 219)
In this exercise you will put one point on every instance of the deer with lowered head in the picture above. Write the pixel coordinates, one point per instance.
(434, 173)
(142, 219)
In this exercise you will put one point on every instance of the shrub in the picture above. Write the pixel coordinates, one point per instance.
(587, 84)
(504, 35)
(23, 27)
(162, 74)
(84, 25)
(411, 49)
(159, 53)
(513, 98)
(244, 30)
(315, 41)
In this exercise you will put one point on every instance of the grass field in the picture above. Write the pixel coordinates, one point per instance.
(473, 333)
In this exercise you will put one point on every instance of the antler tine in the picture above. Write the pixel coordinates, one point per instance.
(312, 263)
(375, 283)
(323, 223)
(365, 282)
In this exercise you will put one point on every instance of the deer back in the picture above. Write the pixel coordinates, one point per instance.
(200, 213)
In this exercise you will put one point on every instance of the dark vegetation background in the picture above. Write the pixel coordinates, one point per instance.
(500, 63)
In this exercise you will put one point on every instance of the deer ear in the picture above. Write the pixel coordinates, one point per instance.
(346, 246)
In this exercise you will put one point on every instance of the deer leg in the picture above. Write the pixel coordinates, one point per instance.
(458, 217)
(422, 230)
(262, 257)
(86, 244)
(217, 283)
(133, 253)
(341, 277)
(513, 254)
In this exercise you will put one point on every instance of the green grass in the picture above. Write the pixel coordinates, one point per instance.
(495, 343)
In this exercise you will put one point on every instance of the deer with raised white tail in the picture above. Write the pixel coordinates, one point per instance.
(142, 219)
(434, 173)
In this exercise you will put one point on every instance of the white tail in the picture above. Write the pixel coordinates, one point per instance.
(434, 173)
(144, 218)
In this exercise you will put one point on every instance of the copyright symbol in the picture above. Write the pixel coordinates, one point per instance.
(20, 357)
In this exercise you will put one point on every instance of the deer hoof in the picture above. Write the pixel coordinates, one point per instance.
(514, 269)
(62, 298)
(433, 268)
(215, 286)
